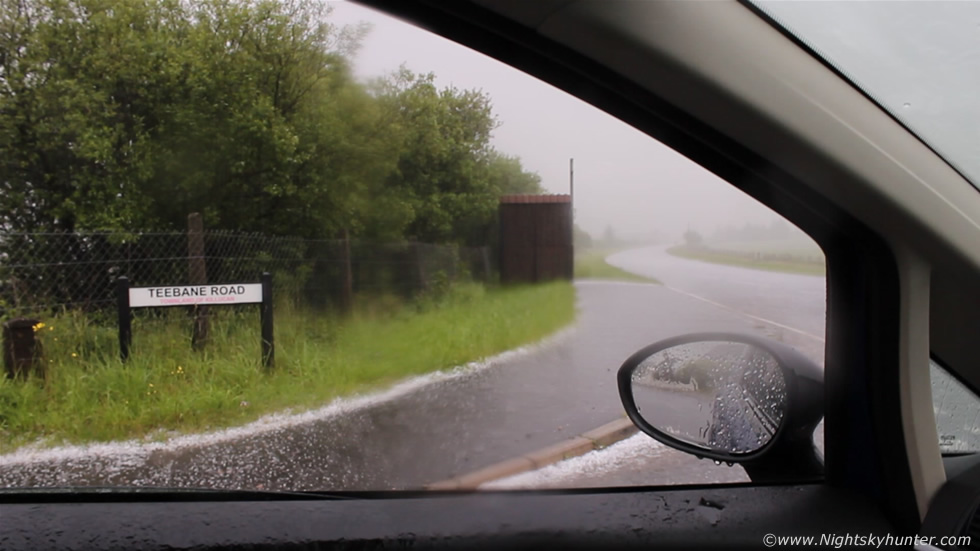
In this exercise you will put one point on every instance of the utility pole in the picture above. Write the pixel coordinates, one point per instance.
(570, 269)
(571, 179)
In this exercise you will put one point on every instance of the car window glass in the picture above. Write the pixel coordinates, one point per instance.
(910, 57)
(957, 411)
(261, 245)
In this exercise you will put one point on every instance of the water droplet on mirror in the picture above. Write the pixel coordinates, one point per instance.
(717, 462)
(906, 105)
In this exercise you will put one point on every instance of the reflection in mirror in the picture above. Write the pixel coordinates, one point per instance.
(956, 411)
(721, 396)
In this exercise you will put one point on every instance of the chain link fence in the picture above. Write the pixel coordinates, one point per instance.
(46, 273)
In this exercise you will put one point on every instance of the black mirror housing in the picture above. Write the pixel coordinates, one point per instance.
(785, 452)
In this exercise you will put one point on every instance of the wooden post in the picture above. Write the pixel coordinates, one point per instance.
(346, 275)
(486, 264)
(21, 349)
(197, 273)
(454, 260)
(423, 282)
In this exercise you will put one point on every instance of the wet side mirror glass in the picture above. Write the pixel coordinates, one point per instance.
(718, 396)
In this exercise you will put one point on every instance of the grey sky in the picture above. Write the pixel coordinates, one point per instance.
(623, 178)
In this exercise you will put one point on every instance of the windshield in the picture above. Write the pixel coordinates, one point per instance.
(918, 60)
(299, 245)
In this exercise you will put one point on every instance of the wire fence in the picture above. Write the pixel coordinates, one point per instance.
(45, 273)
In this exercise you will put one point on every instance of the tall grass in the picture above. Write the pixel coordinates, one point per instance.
(89, 395)
(797, 265)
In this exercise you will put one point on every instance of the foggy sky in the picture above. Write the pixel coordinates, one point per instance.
(623, 178)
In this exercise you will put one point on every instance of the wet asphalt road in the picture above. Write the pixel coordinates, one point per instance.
(794, 300)
(443, 429)
(796, 303)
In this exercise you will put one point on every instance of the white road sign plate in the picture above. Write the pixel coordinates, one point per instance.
(245, 293)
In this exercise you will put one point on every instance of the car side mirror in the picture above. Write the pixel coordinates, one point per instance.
(729, 397)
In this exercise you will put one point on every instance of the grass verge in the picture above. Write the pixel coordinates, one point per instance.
(737, 259)
(591, 264)
(89, 395)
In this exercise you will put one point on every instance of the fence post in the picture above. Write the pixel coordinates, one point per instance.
(346, 275)
(454, 260)
(486, 264)
(197, 272)
(268, 338)
(125, 317)
(22, 349)
(420, 268)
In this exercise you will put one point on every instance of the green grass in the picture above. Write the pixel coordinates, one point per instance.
(799, 248)
(89, 395)
(738, 259)
(591, 264)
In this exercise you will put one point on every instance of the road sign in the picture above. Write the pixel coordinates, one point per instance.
(189, 295)
(230, 294)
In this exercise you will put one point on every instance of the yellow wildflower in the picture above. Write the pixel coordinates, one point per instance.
(73, 355)
(39, 326)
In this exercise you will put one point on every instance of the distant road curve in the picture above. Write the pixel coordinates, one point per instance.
(796, 303)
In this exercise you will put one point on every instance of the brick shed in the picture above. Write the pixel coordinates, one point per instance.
(535, 238)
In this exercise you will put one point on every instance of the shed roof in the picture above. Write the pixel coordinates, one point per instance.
(555, 198)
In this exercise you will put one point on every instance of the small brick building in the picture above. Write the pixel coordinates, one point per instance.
(535, 238)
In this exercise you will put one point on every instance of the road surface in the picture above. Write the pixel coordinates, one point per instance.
(795, 306)
(796, 302)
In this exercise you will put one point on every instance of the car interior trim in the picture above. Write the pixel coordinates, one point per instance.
(918, 417)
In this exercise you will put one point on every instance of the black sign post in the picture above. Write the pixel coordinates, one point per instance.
(125, 317)
(268, 340)
(208, 294)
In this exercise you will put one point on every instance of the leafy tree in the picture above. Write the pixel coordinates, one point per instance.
(130, 114)
(508, 177)
(581, 238)
(443, 172)
(693, 238)
(609, 237)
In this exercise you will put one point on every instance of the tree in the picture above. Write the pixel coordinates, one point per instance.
(692, 238)
(120, 115)
(130, 114)
(508, 177)
(448, 177)
(580, 238)
(609, 237)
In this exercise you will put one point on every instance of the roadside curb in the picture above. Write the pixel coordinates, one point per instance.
(595, 439)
